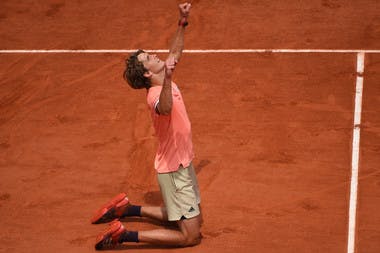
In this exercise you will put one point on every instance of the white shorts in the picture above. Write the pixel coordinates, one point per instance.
(180, 192)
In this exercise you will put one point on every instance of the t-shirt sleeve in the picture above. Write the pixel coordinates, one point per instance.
(153, 97)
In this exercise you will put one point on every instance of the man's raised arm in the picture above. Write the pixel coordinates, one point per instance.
(176, 47)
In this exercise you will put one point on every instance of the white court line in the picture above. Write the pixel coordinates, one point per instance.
(355, 154)
(191, 51)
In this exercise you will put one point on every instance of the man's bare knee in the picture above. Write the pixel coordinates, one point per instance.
(192, 239)
(190, 229)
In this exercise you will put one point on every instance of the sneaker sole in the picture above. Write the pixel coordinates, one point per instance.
(113, 232)
(107, 207)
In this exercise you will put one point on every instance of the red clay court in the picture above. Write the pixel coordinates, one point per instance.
(276, 133)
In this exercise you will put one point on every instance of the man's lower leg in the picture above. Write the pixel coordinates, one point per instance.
(154, 212)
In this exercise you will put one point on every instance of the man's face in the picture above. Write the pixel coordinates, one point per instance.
(151, 62)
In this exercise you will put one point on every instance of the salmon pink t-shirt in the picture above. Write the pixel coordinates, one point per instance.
(175, 146)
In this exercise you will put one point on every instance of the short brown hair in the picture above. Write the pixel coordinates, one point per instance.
(134, 72)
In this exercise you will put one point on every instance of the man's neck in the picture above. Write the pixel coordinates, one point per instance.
(158, 79)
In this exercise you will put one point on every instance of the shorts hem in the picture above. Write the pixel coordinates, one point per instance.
(187, 216)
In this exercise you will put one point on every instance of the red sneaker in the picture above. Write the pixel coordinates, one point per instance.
(112, 210)
(111, 236)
